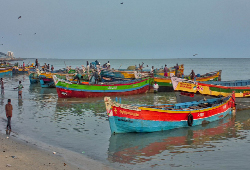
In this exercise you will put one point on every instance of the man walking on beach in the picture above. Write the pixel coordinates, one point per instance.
(2, 86)
(8, 109)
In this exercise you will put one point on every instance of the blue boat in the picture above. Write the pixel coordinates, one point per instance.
(34, 78)
(125, 118)
(5, 71)
(46, 82)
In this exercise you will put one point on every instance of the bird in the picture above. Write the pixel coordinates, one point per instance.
(35, 33)
(19, 17)
(20, 34)
(121, 2)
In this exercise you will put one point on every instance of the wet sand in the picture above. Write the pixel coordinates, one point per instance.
(21, 155)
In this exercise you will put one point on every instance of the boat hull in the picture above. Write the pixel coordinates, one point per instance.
(6, 72)
(47, 83)
(241, 91)
(165, 84)
(67, 93)
(66, 89)
(131, 118)
(126, 125)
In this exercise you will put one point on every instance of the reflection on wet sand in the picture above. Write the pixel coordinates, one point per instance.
(134, 148)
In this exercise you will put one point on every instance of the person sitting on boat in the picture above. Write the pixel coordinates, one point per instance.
(156, 87)
(108, 65)
(192, 75)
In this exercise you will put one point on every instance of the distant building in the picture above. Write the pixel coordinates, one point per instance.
(10, 55)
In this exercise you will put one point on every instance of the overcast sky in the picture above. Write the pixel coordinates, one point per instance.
(107, 29)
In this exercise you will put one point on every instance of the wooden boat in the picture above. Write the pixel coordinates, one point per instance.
(69, 89)
(17, 70)
(5, 71)
(46, 81)
(34, 77)
(165, 84)
(193, 90)
(150, 118)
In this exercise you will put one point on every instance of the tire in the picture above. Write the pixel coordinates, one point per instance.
(190, 120)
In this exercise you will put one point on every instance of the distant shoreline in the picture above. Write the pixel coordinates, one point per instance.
(15, 59)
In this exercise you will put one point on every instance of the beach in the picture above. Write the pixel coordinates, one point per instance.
(22, 155)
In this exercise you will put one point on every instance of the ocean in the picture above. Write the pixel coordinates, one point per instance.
(81, 126)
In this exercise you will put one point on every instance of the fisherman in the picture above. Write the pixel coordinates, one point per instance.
(87, 67)
(166, 71)
(52, 68)
(96, 76)
(192, 75)
(152, 70)
(48, 67)
(36, 63)
(108, 65)
(77, 77)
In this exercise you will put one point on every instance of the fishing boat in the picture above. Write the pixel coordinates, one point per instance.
(68, 89)
(46, 81)
(125, 118)
(165, 84)
(5, 71)
(188, 90)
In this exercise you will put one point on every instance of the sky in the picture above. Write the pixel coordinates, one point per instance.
(136, 29)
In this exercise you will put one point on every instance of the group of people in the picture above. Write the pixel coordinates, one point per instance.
(47, 67)
(8, 106)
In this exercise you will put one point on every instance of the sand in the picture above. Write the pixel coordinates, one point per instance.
(21, 155)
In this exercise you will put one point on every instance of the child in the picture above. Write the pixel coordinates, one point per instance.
(8, 109)
(20, 87)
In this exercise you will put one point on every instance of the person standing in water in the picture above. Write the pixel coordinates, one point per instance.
(8, 109)
(2, 86)
(20, 87)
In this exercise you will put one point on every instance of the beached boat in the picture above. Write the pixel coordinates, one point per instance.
(5, 71)
(188, 90)
(165, 84)
(150, 118)
(67, 89)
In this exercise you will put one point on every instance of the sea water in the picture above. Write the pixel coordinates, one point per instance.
(81, 125)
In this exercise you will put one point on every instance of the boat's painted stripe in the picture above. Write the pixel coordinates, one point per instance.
(103, 91)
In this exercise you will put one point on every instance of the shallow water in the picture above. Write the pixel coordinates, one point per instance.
(81, 125)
